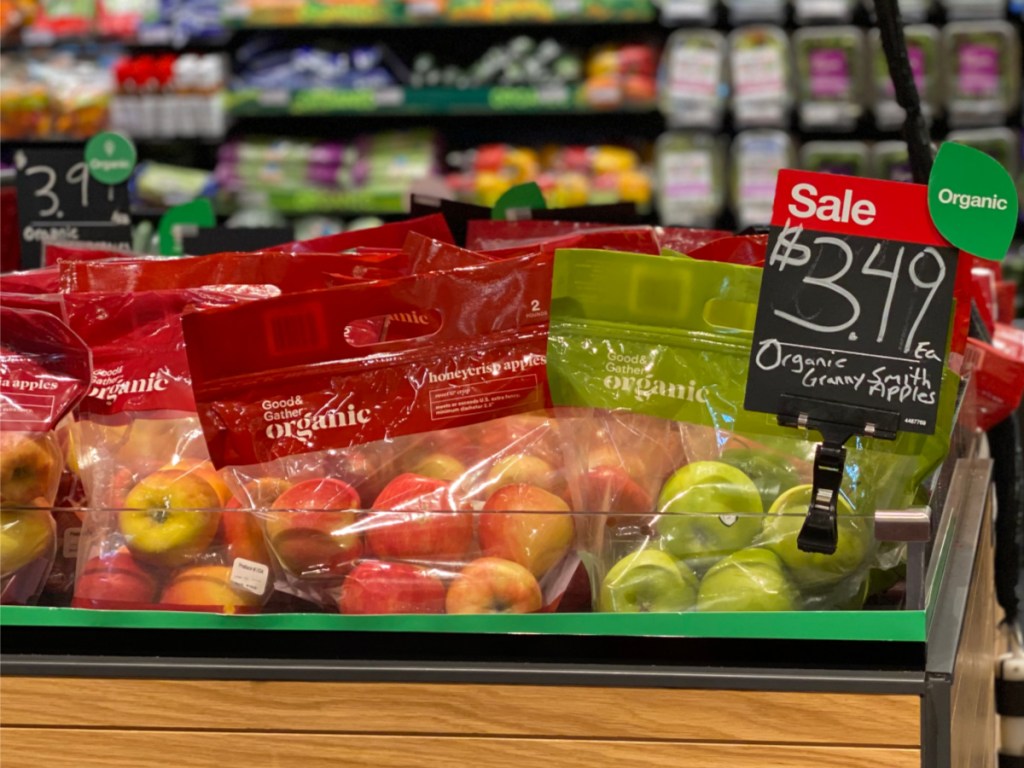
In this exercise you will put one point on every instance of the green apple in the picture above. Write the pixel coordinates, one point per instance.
(708, 510)
(771, 473)
(856, 601)
(749, 580)
(883, 579)
(648, 581)
(813, 570)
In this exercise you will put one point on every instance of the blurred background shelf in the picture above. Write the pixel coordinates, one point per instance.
(422, 101)
(432, 13)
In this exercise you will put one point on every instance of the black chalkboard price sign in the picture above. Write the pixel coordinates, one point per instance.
(59, 202)
(856, 299)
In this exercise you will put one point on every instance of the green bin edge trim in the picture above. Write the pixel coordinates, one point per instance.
(894, 626)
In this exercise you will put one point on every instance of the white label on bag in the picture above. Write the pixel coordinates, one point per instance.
(250, 575)
(693, 115)
(688, 197)
(825, 113)
(70, 544)
(696, 73)
(758, 170)
(688, 176)
(771, 113)
(686, 10)
(835, 10)
(758, 73)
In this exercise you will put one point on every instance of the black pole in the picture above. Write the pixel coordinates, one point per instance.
(1004, 439)
(915, 127)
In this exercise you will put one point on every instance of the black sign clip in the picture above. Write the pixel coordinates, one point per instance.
(837, 423)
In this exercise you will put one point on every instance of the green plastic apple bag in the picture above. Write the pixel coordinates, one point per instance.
(705, 510)
(417, 474)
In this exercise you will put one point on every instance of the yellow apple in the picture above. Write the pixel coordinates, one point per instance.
(170, 517)
(521, 468)
(204, 469)
(25, 535)
(29, 469)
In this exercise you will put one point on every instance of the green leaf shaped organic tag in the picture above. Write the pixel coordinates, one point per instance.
(526, 195)
(972, 201)
(198, 213)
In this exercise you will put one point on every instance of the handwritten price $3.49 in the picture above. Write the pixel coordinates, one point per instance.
(789, 251)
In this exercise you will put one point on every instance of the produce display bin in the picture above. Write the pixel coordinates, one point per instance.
(868, 688)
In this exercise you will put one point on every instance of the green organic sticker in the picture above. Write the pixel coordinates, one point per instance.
(110, 157)
(198, 213)
(520, 196)
(972, 201)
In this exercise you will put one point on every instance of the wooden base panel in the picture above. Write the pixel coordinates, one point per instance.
(33, 747)
(455, 709)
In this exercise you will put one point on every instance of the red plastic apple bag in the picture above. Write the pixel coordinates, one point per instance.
(154, 535)
(501, 239)
(70, 499)
(668, 339)
(55, 252)
(289, 272)
(386, 236)
(31, 281)
(416, 475)
(44, 372)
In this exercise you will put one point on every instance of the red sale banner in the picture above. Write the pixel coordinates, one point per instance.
(846, 205)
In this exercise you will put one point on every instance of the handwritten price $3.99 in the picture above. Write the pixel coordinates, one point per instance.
(77, 176)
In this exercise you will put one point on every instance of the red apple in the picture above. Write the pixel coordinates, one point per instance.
(311, 531)
(376, 586)
(608, 455)
(611, 489)
(120, 483)
(264, 491)
(360, 468)
(62, 575)
(242, 536)
(511, 527)
(420, 522)
(493, 585)
(117, 579)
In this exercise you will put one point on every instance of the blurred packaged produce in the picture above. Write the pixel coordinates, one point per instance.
(53, 96)
(567, 175)
(170, 96)
(372, 173)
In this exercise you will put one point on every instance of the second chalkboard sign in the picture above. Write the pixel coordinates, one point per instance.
(60, 202)
(855, 301)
